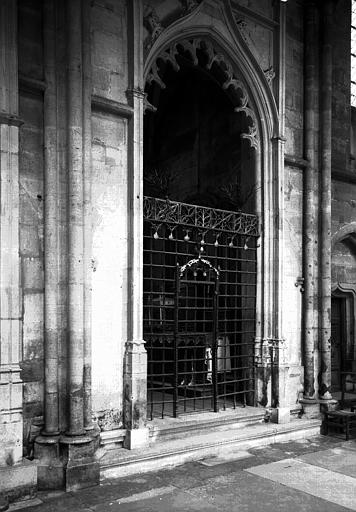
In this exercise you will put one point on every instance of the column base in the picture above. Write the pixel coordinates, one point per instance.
(280, 415)
(50, 470)
(66, 462)
(136, 438)
(81, 468)
(17, 481)
(310, 408)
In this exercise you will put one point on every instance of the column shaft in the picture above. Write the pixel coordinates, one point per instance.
(135, 366)
(87, 161)
(310, 183)
(325, 206)
(75, 217)
(51, 249)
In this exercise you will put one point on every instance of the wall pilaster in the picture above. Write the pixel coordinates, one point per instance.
(11, 422)
(10, 322)
(135, 365)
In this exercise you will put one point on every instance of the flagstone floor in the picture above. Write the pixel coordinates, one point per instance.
(317, 474)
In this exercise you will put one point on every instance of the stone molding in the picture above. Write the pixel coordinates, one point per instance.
(232, 83)
(10, 119)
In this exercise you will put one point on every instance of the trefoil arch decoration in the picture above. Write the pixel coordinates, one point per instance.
(200, 51)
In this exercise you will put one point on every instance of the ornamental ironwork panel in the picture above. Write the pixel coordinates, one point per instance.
(199, 303)
(161, 211)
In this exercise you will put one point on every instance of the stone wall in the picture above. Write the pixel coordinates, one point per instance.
(344, 186)
(341, 87)
(294, 80)
(110, 78)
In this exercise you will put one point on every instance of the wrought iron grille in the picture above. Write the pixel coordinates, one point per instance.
(199, 307)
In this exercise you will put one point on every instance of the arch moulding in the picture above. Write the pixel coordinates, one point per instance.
(347, 231)
(211, 27)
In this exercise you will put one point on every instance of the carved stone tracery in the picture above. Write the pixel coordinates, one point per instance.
(191, 49)
(189, 6)
(153, 24)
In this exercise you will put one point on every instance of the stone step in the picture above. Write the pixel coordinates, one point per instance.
(121, 462)
(196, 424)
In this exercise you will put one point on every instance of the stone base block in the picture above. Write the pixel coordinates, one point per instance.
(18, 481)
(66, 462)
(280, 415)
(81, 468)
(136, 438)
(51, 476)
(311, 408)
(80, 474)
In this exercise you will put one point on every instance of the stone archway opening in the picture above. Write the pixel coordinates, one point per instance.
(200, 190)
(343, 311)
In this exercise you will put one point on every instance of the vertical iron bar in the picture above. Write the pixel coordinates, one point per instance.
(175, 341)
(214, 346)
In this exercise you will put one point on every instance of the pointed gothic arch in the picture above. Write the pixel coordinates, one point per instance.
(211, 29)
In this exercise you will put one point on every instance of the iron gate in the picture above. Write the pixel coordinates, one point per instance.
(199, 307)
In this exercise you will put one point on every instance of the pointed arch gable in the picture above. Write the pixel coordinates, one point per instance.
(213, 21)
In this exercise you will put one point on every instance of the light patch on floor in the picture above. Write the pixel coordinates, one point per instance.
(336, 459)
(223, 457)
(160, 491)
(320, 482)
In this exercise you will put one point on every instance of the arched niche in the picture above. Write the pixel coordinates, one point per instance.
(343, 273)
(210, 40)
(200, 136)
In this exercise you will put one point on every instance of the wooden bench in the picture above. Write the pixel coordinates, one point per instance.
(341, 419)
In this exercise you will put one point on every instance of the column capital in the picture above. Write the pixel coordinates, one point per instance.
(135, 93)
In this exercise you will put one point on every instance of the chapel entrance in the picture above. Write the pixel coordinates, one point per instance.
(199, 307)
(200, 233)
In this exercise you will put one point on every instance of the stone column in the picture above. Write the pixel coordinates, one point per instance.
(262, 355)
(14, 473)
(310, 228)
(135, 364)
(46, 448)
(51, 249)
(75, 219)
(77, 449)
(280, 368)
(325, 203)
(87, 163)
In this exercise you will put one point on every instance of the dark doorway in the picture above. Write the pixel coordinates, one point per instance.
(199, 187)
(338, 341)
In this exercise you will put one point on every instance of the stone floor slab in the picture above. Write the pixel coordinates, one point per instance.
(317, 481)
(244, 492)
(340, 460)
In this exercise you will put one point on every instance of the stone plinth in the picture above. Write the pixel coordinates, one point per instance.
(66, 462)
(18, 481)
(310, 408)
